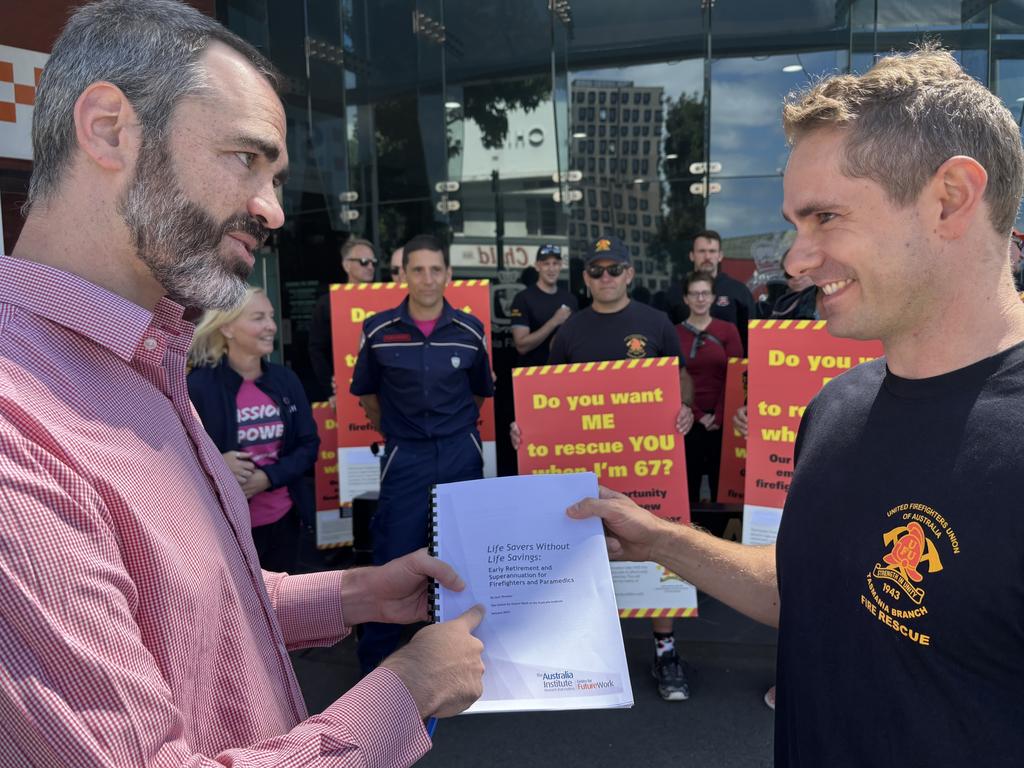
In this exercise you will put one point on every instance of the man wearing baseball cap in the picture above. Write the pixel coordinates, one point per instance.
(539, 310)
(615, 328)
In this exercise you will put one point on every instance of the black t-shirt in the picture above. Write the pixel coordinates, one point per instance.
(637, 331)
(901, 573)
(532, 308)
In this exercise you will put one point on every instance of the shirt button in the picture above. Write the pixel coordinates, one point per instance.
(149, 344)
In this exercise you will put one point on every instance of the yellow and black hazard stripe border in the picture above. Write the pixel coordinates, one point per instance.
(657, 613)
(396, 286)
(606, 365)
(796, 325)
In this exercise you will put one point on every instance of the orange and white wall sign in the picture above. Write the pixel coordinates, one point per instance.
(616, 419)
(20, 70)
(358, 466)
(790, 361)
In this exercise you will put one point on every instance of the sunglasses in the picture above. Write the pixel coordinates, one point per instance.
(614, 270)
(700, 294)
(395, 271)
(364, 262)
(549, 250)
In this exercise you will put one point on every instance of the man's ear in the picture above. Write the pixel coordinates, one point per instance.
(956, 191)
(105, 126)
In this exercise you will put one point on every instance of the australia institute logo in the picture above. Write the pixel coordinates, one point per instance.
(914, 550)
(636, 345)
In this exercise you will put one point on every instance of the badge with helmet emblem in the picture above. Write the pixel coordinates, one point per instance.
(636, 345)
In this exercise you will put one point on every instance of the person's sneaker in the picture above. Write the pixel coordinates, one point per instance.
(668, 671)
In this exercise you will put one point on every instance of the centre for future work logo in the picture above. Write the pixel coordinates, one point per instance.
(569, 681)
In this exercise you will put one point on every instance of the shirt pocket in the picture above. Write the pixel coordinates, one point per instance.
(452, 356)
(405, 355)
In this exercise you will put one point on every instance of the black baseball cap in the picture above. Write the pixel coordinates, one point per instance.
(549, 251)
(608, 247)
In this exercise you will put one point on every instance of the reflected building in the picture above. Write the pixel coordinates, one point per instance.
(616, 146)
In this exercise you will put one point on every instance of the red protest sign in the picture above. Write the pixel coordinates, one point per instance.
(616, 419)
(325, 471)
(350, 306)
(333, 525)
(790, 361)
(734, 445)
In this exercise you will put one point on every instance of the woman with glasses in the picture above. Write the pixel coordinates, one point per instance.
(707, 345)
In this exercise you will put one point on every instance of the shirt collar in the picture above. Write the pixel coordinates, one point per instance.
(87, 309)
(447, 311)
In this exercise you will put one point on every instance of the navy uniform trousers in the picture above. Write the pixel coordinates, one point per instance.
(409, 470)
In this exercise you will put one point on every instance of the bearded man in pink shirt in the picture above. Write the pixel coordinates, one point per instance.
(138, 628)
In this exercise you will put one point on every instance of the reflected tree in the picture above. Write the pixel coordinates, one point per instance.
(683, 211)
(488, 105)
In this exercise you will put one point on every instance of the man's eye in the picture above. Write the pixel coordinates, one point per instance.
(825, 217)
(246, 158)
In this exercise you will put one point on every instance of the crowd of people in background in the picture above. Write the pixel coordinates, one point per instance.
(258, 416)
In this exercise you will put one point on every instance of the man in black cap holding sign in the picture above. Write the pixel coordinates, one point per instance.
(615, 328)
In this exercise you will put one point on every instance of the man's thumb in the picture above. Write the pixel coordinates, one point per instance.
(472, 617)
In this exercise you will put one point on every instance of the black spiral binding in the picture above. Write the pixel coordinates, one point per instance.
(433, 589)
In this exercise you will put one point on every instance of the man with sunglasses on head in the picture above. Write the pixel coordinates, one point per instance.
(539, 310)
(614, 327)
(359, 263)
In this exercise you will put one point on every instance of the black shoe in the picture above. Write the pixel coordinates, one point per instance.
(668, 671)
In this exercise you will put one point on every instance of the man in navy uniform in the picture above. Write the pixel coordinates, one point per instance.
(421, 376)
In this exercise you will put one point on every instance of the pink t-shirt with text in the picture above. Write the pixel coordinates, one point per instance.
(260, 433)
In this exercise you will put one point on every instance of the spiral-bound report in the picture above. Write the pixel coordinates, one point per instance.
(433, 587)
(551, 633)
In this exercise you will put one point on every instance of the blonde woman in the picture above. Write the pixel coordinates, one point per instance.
(259, 418)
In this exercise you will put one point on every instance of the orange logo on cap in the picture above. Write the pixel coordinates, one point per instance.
(602, 245)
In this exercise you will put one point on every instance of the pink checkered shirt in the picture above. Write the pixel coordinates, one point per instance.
(136, 628)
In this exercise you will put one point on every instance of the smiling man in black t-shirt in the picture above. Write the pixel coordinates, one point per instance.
(540, 309)
(897, 581)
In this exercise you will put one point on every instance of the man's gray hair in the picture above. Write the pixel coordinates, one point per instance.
(147, 48)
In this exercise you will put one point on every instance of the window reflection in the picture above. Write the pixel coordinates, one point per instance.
(618, 97)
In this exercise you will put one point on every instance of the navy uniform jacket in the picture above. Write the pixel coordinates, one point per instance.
(425, 385)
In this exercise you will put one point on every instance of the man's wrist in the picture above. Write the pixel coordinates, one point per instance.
(356, 600)
(667, 542)
(398, 665)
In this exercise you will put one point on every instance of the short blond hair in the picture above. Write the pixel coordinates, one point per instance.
(905, 117)
(209, 345)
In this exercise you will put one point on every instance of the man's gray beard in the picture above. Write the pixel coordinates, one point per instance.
(176, 239)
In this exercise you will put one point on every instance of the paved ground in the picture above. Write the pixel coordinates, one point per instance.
(725, 724)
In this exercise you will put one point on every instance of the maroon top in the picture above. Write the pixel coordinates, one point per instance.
(706, 361)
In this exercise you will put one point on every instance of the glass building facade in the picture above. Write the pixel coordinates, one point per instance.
(504, 124)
